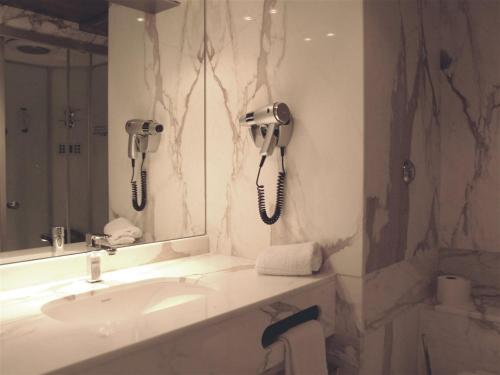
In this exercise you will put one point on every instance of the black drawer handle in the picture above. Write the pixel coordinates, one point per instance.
(274, 331)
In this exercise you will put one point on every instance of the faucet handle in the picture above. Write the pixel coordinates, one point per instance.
(92, 239)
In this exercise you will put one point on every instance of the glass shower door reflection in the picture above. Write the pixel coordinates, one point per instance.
(27, 164)
(56, 144)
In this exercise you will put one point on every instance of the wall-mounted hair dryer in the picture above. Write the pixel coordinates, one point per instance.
(270, 127)
(143, 137)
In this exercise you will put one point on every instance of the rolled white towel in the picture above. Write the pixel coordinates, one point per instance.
(122, 232)
(122, 240)
(290, 260)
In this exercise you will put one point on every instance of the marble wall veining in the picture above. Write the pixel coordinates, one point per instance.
(459, 345)
(463, 340)
(277, 54)
(440, 109)
(469, 186)
(392, 300)
(157, 72)
(259, 52)
(402, 122)
(470, 132)
(370, 84)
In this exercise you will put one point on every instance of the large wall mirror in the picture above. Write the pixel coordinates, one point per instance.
(101, 124)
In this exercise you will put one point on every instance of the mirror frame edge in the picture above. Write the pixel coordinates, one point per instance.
(3, 166)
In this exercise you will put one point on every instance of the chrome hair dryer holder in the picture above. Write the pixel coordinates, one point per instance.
(270, 127)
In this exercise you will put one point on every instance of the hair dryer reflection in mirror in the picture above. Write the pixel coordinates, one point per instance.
(143, 137)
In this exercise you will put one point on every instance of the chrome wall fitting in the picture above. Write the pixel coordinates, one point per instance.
(408, 171)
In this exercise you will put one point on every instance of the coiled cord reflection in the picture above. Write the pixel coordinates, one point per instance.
(144, 187)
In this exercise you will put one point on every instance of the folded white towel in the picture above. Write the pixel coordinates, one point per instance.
(290, 260)
(122, 232)
(305, 349)
(123, 240)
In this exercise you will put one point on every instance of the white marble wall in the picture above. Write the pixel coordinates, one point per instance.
(470, 132)
(482, 269)
(157, 72)
(392, 347)
(278, 54)
(470, 184)
(402, 107)
(440, 110)
(460, 341)
(256, 62)
(459, 344)
(392, 299)
(401, 122)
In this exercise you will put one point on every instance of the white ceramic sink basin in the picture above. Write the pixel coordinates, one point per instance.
(123, 302)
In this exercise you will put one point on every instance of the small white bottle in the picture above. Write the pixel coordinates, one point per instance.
(94, 266)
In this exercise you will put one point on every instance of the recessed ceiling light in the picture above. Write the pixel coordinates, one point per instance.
(330, 34)
(248, 18)
(140, 19)
(273, 11)
(307, 39)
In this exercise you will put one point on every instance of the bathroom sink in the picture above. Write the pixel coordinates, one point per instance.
(123, 302)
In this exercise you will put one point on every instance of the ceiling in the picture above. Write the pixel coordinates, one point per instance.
(91, 15)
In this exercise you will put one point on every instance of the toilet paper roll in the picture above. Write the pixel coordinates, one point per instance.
(453, 290)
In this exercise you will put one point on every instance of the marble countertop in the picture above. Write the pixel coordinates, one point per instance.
(487, 313)
(53, 344)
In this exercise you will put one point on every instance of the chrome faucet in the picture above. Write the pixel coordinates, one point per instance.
(98, 242)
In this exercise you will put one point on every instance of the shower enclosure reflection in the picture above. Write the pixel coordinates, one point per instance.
(55, 143)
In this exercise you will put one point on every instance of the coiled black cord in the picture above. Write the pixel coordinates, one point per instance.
(280, 193)
(144, 186)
